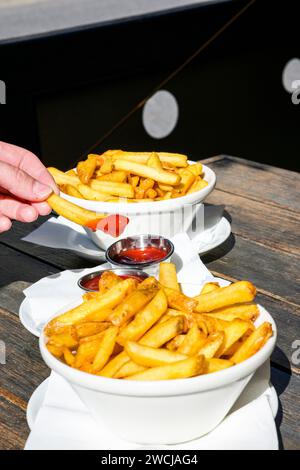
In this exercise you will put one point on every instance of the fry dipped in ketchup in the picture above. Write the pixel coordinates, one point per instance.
(113, 225)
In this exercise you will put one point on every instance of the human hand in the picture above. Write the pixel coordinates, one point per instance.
(25, 184)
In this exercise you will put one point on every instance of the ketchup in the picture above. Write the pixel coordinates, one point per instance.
(93, 284)
(141, 255)
(114, 225)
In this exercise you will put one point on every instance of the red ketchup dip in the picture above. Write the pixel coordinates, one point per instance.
(140, 255)
(93, 284)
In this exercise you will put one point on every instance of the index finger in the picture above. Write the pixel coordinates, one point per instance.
(28, 162)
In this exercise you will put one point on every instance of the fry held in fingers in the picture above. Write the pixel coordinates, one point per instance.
(72, 212)
(147, 330)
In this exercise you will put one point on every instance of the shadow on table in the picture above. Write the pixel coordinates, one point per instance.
(280, 379)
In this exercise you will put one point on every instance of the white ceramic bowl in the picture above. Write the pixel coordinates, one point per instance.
(165, 218)
(163, 412)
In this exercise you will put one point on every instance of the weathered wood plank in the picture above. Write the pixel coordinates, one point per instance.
(62, 259)
(268, 225)
(270, 270)
(13, 426)
(11, 295)
(17, 266)
(288, 418)
(259, 183)
(24, 369)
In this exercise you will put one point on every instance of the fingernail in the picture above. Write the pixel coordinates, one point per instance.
(41, 190)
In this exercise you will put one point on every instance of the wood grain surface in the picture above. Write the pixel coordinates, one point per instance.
(262, 203)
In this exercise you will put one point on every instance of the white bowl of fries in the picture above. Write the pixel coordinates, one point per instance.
(150, 364)
(157, 192)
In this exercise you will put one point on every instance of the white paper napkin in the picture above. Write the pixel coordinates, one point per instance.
(63, 422)
(52, 293)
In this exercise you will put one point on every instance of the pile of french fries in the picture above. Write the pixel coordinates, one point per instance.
(150, 330)
(118, 176)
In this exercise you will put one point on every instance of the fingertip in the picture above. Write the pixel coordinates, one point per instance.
(43, 208)
(27, 214)
(41, 191)
(5, 223)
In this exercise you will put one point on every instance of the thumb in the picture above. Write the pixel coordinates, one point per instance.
(21, 185)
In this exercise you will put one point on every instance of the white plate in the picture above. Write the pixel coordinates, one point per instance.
(257, 387)
(204, 242)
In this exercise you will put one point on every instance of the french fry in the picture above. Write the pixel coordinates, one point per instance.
(253, 343)
(179, 301)
(139, 193)
(108, 280)
(177, 370)
(161, 333)
(150, 193)
(56, 351)
(233, 332)
(238, 292)
(196, 168)
(71, 173)
(209, 287)
(86, 169)
(71, 211)
(87, 351)
(187, 179)
(68, 357)
(151, 357)
(67, 339)
(212, 324)
(71, 191)
(158, 335)
(113, 188)
(128, 369)
(106, 166)
(147, 172)
(198, 184)
(133, 180)
(100, 305)
(95, 337)
(144, 319)
(175, 159)
(212, 345)
(193, 341)
(146, 183)
(131, 305)
(242, 311)
(175, 343)
(154, 161)
(90, 328)
(215, 365)
(105, 349)
(168, 276)
(190, 317)
(116, 176)
(114, 365)
(92, 195)
(63, 178)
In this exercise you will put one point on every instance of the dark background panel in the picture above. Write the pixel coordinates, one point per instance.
(67, 91)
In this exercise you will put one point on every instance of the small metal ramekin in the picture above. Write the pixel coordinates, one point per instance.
(119, 271)
(139, 241)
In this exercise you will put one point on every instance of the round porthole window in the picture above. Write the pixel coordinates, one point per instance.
(160, 114)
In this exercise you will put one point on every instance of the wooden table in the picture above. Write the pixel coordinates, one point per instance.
(263, 204)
